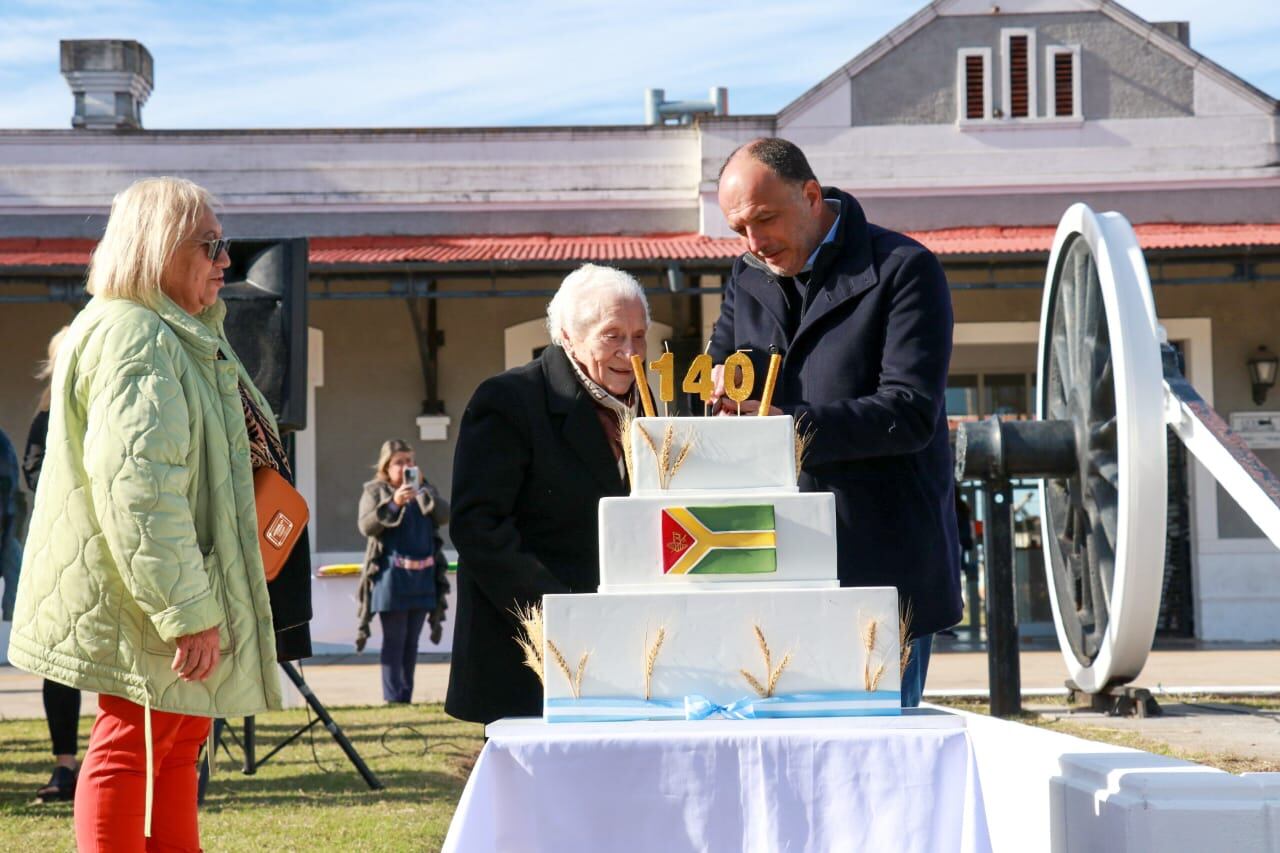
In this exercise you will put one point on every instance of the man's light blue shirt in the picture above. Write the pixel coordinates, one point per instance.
(831, 235)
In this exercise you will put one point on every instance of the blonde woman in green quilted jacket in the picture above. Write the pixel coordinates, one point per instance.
(142, 579)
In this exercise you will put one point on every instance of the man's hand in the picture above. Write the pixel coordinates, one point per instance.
(749, 407)
(197, 655)
(722, 405)
(404, 494)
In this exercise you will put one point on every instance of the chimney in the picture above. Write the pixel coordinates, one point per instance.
(659, 111)
(111, 79)
(1180, 30)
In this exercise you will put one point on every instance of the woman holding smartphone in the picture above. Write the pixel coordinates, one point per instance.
(404, 578)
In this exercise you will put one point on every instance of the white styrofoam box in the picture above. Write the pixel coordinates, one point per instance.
(632, 544)
(1049, 791)
(710, 637)
(727, 454)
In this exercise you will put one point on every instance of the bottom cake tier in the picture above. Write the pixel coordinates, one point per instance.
(711, 654)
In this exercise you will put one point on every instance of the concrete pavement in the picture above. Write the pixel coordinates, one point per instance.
(355, 679)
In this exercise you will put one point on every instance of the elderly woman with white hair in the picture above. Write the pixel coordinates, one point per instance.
(142, 577)
(537, 448)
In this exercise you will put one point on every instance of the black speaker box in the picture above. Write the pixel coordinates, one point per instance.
(266, 296)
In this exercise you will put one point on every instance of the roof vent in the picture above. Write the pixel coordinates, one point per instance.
(658, 111)
(1181, 30)
(110, 79)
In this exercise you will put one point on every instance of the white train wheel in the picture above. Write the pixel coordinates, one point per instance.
(1104, 527)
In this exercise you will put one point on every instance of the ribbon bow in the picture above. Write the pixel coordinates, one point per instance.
(701, 708)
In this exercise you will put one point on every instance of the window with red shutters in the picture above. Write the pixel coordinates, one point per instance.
(1063, 84)
(1019, 84)
(974, 87)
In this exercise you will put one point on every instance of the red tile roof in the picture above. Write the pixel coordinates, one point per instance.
(999, 240)
(531, 249)
(520, 248)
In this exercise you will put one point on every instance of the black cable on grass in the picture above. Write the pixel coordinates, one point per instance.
(429, 742)
(311, 732)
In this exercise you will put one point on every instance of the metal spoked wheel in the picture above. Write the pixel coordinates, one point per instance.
(1104, 526)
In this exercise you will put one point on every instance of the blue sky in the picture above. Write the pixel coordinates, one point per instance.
(393, 63)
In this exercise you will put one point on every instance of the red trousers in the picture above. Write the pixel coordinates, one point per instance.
(111, 791)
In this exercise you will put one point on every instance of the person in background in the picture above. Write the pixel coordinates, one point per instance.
(61, 703)
(538, 447)
(142, 578)
(404, 579)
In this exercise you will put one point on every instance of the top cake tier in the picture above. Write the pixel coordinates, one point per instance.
(740, 455)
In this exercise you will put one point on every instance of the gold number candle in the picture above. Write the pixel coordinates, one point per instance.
(698, 379)
(738, 388)
(665, 367)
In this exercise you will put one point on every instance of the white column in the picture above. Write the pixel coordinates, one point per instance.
(305, 440)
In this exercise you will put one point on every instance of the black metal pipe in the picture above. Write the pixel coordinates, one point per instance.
(997, 450)
(1004, 674)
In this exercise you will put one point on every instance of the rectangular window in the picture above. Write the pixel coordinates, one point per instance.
(1018, 77)
(973, 84)
(1063, 85)
(1019, 81)
(975, 92)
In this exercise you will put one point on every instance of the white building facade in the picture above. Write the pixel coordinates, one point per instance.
(970, 128)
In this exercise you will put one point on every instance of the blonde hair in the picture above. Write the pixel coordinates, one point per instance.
(45, 372)
(148, 221)
(583, 295)
(390, 448)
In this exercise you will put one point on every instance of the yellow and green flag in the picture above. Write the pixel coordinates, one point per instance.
(726, 540)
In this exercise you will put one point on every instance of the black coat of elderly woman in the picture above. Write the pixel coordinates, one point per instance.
(537, 448)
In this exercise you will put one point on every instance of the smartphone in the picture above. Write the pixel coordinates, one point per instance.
(411, 476)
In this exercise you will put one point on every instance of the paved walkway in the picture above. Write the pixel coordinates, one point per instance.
(355, 679)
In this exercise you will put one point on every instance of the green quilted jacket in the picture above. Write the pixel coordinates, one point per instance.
(144, 527)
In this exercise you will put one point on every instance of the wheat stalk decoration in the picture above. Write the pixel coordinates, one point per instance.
(574, 679)
(530, 638)
(666, 467)
(626, 421)
(651, 658)
(577, 677)
(871, 677)
(771, 674)
(904, 644)
(803, 438)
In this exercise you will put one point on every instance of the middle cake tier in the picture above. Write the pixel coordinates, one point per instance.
(680, 541)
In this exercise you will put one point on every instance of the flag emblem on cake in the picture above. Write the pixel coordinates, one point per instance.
(725, 540)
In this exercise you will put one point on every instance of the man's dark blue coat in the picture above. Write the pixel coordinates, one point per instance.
(866, 371)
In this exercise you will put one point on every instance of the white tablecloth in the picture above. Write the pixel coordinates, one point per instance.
(867, 784)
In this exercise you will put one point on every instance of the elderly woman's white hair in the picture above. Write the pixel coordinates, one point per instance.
(582, 296)
(149, 219)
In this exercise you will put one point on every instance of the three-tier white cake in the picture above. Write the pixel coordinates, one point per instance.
(718, 592)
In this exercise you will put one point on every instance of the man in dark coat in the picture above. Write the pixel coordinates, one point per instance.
(537, 450)
(862, 318)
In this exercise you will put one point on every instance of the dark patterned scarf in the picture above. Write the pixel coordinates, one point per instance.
(265, 448)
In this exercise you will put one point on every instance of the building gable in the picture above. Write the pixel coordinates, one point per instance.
(1085, 59)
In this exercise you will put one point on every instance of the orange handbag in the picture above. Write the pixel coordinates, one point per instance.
(282, 516)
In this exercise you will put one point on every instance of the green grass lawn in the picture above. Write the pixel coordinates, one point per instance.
(299, 801)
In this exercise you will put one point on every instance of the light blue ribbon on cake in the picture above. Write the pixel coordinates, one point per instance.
(855, 703)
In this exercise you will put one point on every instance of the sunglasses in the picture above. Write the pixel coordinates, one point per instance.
(216, 247)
